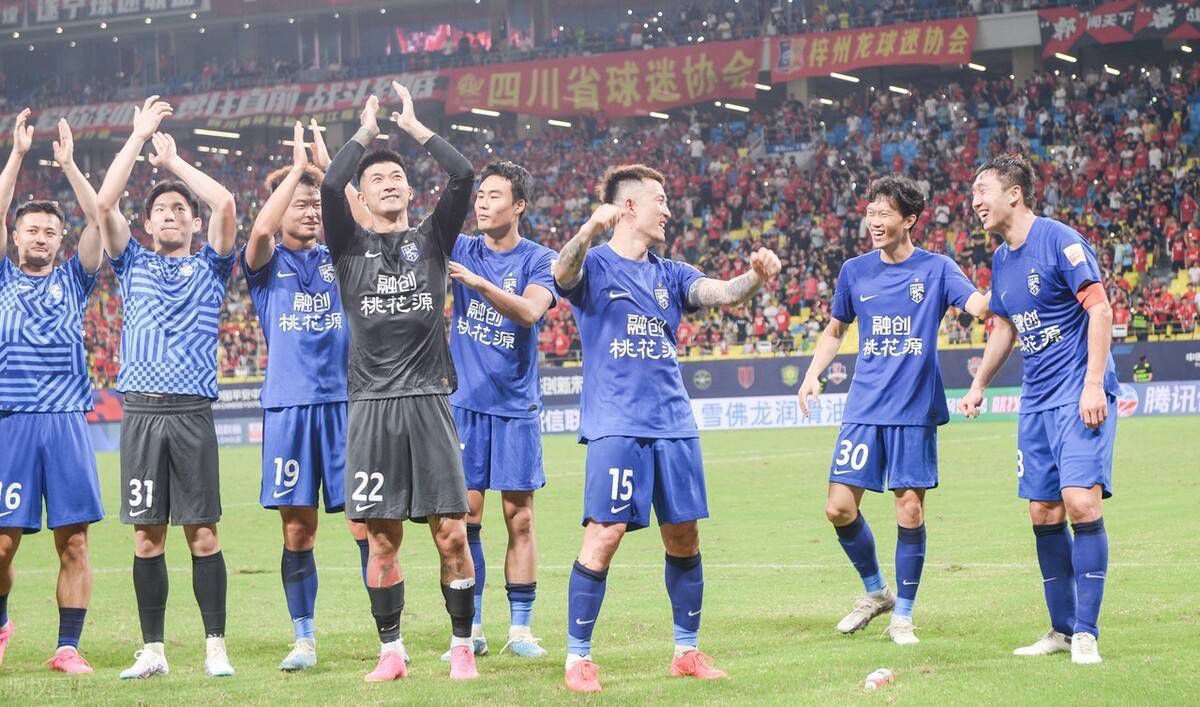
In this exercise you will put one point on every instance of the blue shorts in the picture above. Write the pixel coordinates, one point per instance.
(1056, 450)
(500, 453)
(878, 457)
(47, 455)
(626, 475)
(304, 450)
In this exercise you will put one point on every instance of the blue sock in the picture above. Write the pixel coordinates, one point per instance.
(475, 545)
(1090, 560)
(70, 626)
(3, 611)
(585, 594)
(859, 544)
(299, 571)
(1054, 549)
(910, 560)
(364, 554)
(685, 587)
(520, 602)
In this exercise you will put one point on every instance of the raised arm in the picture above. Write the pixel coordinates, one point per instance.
(22, 141)
(524, 309)
(321, 160)
(455, 200)
(89, 248)
(999, 347)
(709, 292)
(114, 229)
(222, 220)
(568, 269)
(261, 245)
(336, 217)
(827, 348)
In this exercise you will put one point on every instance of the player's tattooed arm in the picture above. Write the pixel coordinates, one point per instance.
(997, 350)
(89, 249)
(708, 292)
(222, 219)
(114, 229)
(261, 244)
(22, 141)
(568, 269)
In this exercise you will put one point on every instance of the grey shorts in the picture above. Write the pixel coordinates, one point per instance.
(169, 461)
(403, 459)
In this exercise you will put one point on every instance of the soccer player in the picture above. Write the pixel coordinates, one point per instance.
(45, 448)
(294, 290)
(502, 288)
(888, 438)
(643, 447)
(1047, 290)
(402, 452)
(172, 302)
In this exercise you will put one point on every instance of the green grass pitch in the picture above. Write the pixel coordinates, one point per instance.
(777, 582)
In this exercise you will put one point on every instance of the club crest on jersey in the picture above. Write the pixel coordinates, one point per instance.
(410, 252)
(187, 269)
(660, 296)
(510, 285)
(327, 272)
(1034, 282)
(56, 293)
(916, 291)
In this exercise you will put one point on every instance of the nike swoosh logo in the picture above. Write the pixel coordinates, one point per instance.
(1089, 575)
(369, 254)
(286, 274)
(617, 295)
(694, 613)
(839, 472)
(578, 622)
(866, 298)
(910, 584)
(135, 514)
(24, 288)
(281, 495)
(6, 513)
(1051, 579)
(360, 508)
(615, 509)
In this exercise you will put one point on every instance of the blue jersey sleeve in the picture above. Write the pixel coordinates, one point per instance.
(123, 262)
(997, 302)
(81, 279)
(958, 289)
(256, 278)
(541, 273)
(685, 276)
(842, 306)
(1076, 260)
(222, 265)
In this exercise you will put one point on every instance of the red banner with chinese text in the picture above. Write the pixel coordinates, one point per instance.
(616, 85)
(942, 42)
(1065, 29)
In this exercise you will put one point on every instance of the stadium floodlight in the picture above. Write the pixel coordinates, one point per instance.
(1111, 70)
(559, 123)
(976, 67)
(485, 111)
(762, 86)
(844, 77)
(58, 30)
(215, 133)
(1186, 49)
(738, 108)
(660, 116)
(900, 89)
(826, 101)
(16, 35)
(1065, 57)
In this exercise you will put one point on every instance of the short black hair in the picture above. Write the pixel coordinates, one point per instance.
(901, 192)
(1012, 170)
(614, 177)
(517, 176)
(176, 186)
(309, 177)
(40, 207)
(376, 157)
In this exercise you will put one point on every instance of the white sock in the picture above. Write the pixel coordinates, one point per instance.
(455, 641)
(572, 659)
(883, 592)
(680, 650)
(476, 630)
(156, 648)
(396, 645)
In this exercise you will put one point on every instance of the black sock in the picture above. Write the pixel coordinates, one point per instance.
(387, 603)
(210, 583)
(364, 553)
(460, 604)
(150, 585)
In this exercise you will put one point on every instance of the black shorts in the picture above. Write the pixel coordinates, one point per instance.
(169, 461)
(403, 459)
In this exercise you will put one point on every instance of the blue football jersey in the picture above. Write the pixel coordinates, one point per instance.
(1034, 287)
(627, 312)
(897, 379)
(43, 365)
(300, 311)
(496, 358)
(172, 307)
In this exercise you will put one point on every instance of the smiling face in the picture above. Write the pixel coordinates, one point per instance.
(302, 220)
(886, 224)
(171, 222)
(38, 236)
(992, 202)
(385, 190)
(646, 205)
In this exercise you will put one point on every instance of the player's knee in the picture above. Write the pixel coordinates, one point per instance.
(839, 514)
(299, 534)
(682, 540)
(451, 539)
(520, 524)
(1083, 510)
(607, 538)
(909, 511)
(73, 552)
(202, 541)
(8, 548)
